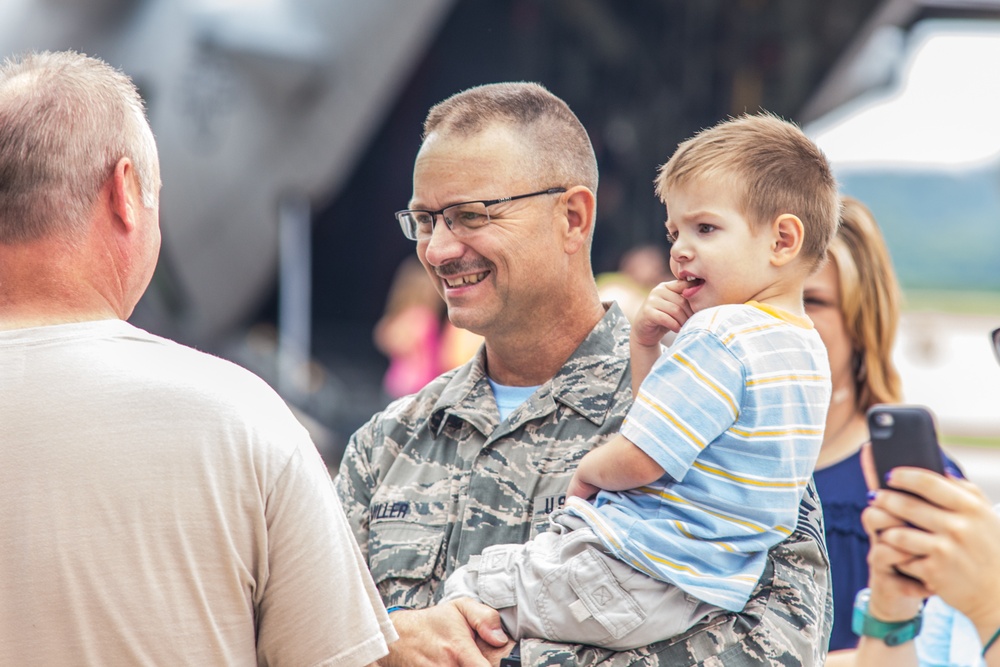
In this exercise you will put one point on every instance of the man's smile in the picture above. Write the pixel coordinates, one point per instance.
(461, 281)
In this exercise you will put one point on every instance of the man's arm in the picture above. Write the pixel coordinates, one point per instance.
(356, 480)
(317, 599)
(458, 634)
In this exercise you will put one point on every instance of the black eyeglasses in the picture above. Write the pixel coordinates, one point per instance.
(996, 343)
(461, 218)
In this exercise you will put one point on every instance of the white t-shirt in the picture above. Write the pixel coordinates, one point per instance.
(159, 506)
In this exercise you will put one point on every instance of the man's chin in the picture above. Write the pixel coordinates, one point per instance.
(463, 319)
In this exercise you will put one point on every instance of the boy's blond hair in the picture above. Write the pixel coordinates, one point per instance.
(772, 167)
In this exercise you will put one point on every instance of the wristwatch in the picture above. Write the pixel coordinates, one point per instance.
(866, 625)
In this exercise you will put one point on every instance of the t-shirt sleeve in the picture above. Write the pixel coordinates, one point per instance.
(320, 605)
(690, 397)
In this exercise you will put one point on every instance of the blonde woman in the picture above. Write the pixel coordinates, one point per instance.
(854, 301)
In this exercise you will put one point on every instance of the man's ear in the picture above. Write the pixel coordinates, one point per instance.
(125, 195)
(788, 234)
(581, 208)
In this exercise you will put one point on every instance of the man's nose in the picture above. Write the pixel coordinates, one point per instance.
(442, 246)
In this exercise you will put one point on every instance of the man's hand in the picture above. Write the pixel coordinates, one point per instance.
(459, 633)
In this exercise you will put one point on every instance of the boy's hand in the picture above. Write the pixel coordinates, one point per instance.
(579, 488)
(663, 310)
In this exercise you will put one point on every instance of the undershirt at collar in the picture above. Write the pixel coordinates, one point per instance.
(509, 398)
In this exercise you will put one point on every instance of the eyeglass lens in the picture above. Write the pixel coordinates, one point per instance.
(459, 218)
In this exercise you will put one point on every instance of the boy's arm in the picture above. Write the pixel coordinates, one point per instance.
(616, 466)
(663, 310)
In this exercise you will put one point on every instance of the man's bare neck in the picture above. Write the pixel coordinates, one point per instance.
(524, 362)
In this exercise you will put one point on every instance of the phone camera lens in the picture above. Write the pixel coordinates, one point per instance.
(883, 419)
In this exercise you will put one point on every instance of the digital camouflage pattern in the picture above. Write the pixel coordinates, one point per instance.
(437, 477)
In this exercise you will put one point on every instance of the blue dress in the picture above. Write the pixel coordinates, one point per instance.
(844, 495)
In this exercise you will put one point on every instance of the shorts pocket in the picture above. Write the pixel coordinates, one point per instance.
(496, 575)
(614, 608)
(583, 595)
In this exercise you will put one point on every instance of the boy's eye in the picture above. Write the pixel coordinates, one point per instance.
(705, 228)
(671, 237)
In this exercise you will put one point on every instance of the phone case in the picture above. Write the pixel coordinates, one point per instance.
(903, 435)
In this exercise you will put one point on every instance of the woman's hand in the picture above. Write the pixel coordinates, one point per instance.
(893, 597)
(950, 536)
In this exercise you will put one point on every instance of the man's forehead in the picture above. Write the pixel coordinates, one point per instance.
(452, 168)
(496, 136)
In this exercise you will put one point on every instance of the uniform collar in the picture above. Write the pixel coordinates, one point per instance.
(587, 382)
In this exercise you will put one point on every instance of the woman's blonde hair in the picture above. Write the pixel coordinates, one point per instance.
(869, 303)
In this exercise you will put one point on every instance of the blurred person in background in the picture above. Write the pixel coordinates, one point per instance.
(854, 301)
(160, 506)
(409, 332)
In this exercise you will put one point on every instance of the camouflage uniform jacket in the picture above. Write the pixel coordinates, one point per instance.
(437, 477)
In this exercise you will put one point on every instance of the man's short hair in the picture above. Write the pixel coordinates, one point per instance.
(772, 167)
(66, 120)
(561, 148)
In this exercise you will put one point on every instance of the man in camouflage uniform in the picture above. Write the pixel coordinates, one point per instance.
(438, 476)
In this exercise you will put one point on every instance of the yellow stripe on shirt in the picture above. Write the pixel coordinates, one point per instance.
(785, 378)
(708, 382)
(698, 442)
(744, 480)
(756, 527)
(776, 434)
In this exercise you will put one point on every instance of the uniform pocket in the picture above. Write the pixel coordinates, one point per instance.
(403, 555)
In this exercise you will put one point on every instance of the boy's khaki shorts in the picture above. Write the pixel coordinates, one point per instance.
(564, 586)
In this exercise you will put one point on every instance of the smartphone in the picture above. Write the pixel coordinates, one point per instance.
(903, 435)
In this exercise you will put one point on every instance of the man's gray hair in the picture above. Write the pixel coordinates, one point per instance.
(563, 150)
(66, 119)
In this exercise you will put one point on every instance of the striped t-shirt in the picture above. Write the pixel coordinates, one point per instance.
(734, 412)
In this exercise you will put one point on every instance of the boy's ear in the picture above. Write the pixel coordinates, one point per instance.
(788, 232)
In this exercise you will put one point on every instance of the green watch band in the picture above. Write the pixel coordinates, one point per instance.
(893, 634)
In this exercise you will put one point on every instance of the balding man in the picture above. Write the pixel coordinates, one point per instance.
(159, 506)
